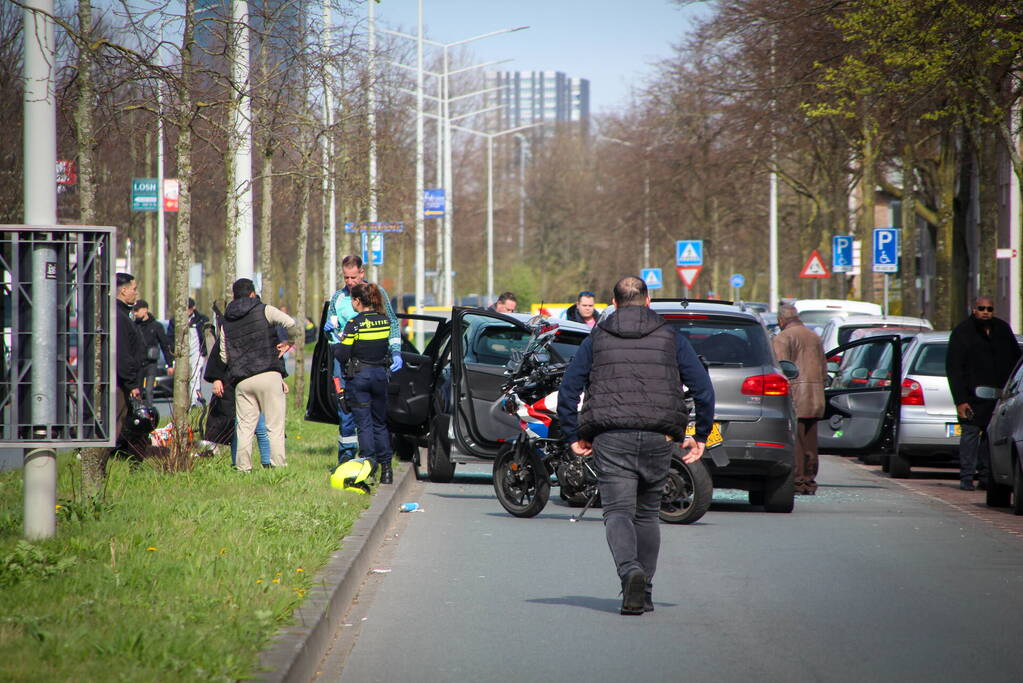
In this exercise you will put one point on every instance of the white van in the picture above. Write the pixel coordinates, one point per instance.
(818, 312)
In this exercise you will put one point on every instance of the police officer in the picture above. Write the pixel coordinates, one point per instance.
(339, 313)
(364, 354)
(633, 367)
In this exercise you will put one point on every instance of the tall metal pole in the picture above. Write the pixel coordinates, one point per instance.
(438, 280)
(161, 230)
(646, 214)
(522, 193)
(328, 155)
(420, 185)
(449, 191)
(773, 303)
(245, 265)
(490, 219)
(40, 197)
(371, 120)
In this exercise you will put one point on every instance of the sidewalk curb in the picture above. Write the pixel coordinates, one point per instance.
(295, 651)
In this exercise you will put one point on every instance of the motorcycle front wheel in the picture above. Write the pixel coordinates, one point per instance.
(521, 480)
(687, 493)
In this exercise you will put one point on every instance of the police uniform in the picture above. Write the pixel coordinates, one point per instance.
(364, 354)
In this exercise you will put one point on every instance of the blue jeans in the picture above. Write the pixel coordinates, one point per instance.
(347, 442)
(632, 468)
(262, 440)
(973, 454)
(369, 389)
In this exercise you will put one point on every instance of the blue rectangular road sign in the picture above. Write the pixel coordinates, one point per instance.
(373, 248)
(652, 278)
(886, 250)
(378, 226)
(689, 253)
(433, 203)
(842, 253)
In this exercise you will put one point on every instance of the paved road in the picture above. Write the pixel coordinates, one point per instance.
(867, 581)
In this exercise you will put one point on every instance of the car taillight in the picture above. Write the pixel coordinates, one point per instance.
(766, 385)
(837, 358)
(912, 393)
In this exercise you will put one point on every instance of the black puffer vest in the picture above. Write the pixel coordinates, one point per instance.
(251, 341)
(634, 380)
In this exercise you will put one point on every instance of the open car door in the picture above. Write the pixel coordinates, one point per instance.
(861, 405)
(482, 343)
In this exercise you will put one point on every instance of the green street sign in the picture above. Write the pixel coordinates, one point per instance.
(145, 195)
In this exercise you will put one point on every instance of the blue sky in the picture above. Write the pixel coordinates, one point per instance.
(611, 42)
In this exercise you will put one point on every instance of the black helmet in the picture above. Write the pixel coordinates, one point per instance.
(141, 418)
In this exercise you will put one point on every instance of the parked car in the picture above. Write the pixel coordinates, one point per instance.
(753, 417)
(929, 429)
(445, 394)
(820, 311)
(1005, 440)
(840, 328)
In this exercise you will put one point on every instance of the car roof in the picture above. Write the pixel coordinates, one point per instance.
(871, 320)
(697, 306)
(932, 337)
(837, 305)
(883, 331)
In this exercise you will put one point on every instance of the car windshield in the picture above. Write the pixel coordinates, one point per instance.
(845, 332)
(724, 341)
(930, 360)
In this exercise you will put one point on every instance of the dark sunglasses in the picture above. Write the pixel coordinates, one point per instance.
(989, 309)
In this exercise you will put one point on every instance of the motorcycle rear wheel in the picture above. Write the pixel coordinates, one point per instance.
(521, 481)
(687, 493)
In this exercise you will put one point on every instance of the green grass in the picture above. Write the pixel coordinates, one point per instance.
(173, 576)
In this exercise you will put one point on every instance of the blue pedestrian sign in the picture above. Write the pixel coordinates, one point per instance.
(373, 248)
(433, 203)
(886, 250)
(738, 280)
(652, 278)
(689, 253)
(842, 253)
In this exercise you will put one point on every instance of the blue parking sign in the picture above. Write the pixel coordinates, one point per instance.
(842, 253)
(652, 278)
(886, 250)
(689, 253)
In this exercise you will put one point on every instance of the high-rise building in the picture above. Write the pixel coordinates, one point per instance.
(535, 96)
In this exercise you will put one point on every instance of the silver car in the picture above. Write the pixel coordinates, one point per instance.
(929, 428)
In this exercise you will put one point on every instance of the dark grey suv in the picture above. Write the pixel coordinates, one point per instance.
(751, 447)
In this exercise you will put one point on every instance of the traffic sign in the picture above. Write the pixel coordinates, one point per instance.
(886, 250)
(433, 203)
(688, 274)
(738, 280)
(689, 253)
(373, 248)
(652, 278)
(376, 226)
(814, 266)
(842, 253)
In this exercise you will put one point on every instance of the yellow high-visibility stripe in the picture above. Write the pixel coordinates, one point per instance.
(372, 336)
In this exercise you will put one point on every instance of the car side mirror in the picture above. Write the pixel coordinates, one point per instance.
(789, 369)
(988, 393)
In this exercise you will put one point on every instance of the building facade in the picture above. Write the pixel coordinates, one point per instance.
(530, 97)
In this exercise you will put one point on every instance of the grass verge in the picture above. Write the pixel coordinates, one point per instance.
(170, 577)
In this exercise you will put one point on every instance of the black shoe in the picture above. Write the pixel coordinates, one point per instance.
(648, 599)
(633, 592)
(967, 486)
(386, 474)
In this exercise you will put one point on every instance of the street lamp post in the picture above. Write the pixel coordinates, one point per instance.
(646, 194)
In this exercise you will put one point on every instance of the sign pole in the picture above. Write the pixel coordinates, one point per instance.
(886, 293)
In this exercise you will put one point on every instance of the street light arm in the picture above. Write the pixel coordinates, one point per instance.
(412, 68)
(479, 66)
(474, 113)
(486, 35)
(410, 36)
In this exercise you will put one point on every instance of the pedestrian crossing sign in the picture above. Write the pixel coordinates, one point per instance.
(652, 278)
(689, 253)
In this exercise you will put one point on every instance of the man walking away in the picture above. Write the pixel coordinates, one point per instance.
(633, 367)
(583, 310)
(155, 342)
(982, 351)
(254, 358)
(801, 345)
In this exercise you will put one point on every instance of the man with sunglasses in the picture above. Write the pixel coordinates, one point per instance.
(982, 352)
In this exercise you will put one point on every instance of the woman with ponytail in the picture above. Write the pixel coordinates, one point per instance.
(364, 355)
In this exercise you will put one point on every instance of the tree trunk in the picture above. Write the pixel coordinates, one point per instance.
(868, 184)
(300, 275)
(910, 238)
(945, 312)
(987, 143)
(265, 221)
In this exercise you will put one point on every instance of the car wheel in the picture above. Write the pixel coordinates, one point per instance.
(438, 458)
(997, 495)
(1017, 489)
(780, 493)
(756, 497)
(898, 466)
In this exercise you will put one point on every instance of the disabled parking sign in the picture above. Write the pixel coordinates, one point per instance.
(886, 250)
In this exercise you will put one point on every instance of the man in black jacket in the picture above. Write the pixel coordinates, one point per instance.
(632, 367)
(155, 342)
(129, 350)
(982, 351)
(583, 310)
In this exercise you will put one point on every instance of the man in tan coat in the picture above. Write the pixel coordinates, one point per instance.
(802, 346)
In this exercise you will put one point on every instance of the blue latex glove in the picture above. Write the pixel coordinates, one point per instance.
(396, 362)
(328, 327)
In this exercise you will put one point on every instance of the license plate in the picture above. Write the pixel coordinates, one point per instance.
(715, 434)
(953, 429)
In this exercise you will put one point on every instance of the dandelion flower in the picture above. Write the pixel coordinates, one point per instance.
(299, 570)
(59, 507)
(298, 436)
(259, 580)
(278, 574)
(223, 550)
(277, 580)
(151, 549)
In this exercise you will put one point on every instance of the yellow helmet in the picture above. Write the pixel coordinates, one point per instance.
(352, 475)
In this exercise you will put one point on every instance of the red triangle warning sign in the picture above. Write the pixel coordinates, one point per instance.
(688, 274)
(814, 266)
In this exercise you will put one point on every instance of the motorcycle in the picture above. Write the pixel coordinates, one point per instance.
(525, 467)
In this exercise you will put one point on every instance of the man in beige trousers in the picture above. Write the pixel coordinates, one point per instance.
(254, 359)
(801, 345)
